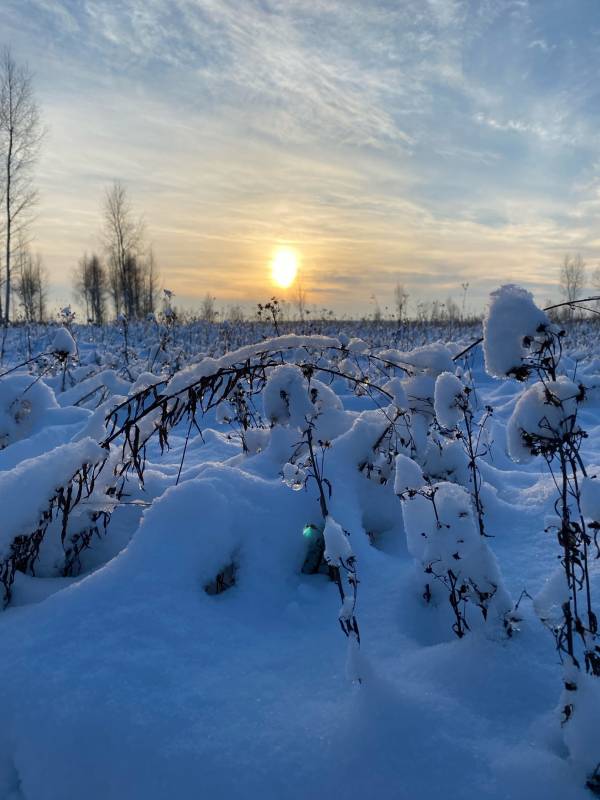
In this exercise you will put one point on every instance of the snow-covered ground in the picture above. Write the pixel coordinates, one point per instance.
(122, 677)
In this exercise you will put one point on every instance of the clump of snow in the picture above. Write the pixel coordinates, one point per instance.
(24, 407)
(337, 545)
(442, 534)
(63, 344)
(549, 601)
(357, 346)
(209, 366)
(101, 385)
(581, 696)
(432, 359)
(409, 474)
(449, 392)
(285, 397)
(396, 389)
(512, 322)
(446, 460)
(542, 415)
(40, 477)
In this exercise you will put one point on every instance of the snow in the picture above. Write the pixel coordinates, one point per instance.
(542, 414)
(63, 343)
(433, 359)
(449, 391)
(133, 676)
(285, 398)
(512, 318)
(337, 546)
(39, 478)
(409, 474)
(590, 498)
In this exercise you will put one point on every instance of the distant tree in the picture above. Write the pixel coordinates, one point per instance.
(377, 313)
(572, 279)
(91, 287)
(30, 284)
(400, 301)
(123, 241)
(301, 300)
(436, 311)
(452, 310)
(235, 314)
(465, 289)
(208, 312)
(150, 284)
(20, 136)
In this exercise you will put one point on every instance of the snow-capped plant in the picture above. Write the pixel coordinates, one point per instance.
(56, 482)
(442, 535)
(63, 344)
(518, 337)
(64, 350)
(454, 413)
(24, 407)
(545, 423)
(291, 398)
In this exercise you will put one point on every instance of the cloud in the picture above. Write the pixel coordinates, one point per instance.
(431, 142)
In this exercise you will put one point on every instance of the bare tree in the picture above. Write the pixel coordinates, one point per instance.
(30, 283)
(235, 314)
(81, 284)
(151, 284)
(452, 310)
(91, 287)
(301, 300)
(123, 241)
(400, 301)
(465, 289)
(208, 312)
(572, 279)
(20, 137)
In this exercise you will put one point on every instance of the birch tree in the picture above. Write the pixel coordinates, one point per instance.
(20, 137)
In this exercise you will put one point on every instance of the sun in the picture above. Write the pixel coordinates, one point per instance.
(284, 267)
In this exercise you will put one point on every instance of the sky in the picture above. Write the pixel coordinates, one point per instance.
(427, 142)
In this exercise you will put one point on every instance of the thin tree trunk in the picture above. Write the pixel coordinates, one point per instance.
(8, 229)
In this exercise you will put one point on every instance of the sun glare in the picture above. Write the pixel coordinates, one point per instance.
(284, 267)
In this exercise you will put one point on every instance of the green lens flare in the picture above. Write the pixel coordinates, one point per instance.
(308, 531)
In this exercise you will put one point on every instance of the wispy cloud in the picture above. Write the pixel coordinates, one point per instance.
(428, 142)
